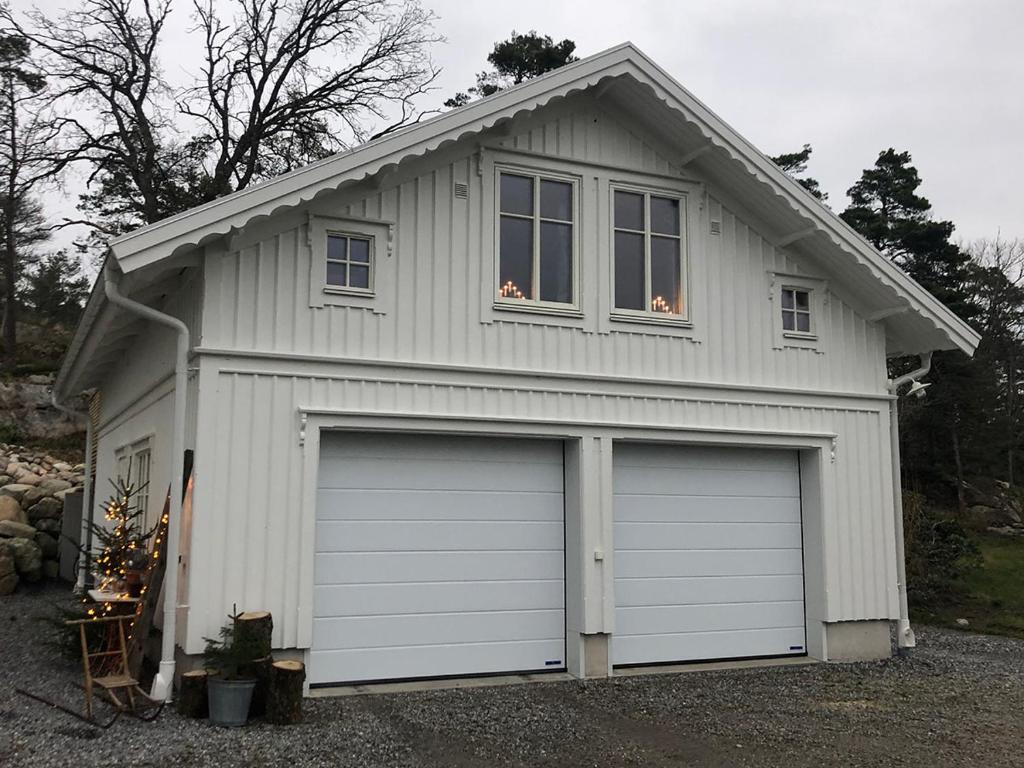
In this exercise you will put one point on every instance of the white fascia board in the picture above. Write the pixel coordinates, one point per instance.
(219, 217)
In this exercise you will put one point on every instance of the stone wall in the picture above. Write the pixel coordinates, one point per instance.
(32, 491)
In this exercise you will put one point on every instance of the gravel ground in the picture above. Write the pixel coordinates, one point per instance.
(959, 701)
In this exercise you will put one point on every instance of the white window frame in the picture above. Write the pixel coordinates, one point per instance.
(371, 247)
(683, 319)
(817, 302)
(572, 308)
(128, 456)
(380, 235)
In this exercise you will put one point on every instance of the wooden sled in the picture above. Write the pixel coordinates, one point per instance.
(107, 669)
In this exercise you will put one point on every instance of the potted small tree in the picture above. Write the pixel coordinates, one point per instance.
(229, 688)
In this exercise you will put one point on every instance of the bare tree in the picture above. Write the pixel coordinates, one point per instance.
(281, 78)
(1000, 285)
(101, 60)
(282, 82)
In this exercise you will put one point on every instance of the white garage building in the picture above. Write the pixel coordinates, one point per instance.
(570, 378)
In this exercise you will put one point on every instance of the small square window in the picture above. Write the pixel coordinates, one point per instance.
(349, 262)
(796, 310)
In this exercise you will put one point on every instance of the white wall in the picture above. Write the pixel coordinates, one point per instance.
(450, 362)
(137, 400)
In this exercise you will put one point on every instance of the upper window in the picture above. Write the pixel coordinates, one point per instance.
(648, 254)
(796, 310)
(536, 243)
(349, 262)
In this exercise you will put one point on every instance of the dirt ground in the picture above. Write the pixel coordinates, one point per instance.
(959, 701)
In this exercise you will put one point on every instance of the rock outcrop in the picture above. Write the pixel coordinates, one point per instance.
(32, 491)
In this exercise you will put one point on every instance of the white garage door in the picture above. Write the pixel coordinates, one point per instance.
(708, 554)
(437, 556)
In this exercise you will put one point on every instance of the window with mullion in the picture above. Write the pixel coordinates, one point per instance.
(348, 262)
(796, 310)
(648, 245)
(535, 241)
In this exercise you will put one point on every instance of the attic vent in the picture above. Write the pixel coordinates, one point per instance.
(461, 190)
(716, 227)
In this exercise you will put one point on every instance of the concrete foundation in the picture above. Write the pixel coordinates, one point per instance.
(595, 655)
(858, 641)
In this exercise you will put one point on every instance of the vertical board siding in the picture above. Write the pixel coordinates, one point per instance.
(440, 248)
(251, 508)
(248, 524)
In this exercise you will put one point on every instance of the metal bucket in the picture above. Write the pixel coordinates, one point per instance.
(229, 701)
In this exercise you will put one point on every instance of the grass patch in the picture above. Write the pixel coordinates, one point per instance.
(992, 598)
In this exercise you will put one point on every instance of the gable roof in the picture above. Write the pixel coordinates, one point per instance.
(693, 135)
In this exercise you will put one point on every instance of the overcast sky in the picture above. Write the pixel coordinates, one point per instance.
(940, 78)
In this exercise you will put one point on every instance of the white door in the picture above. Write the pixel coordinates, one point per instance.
(708, 554)
(437, 556)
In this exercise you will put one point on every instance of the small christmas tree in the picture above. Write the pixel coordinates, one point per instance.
(123, 543)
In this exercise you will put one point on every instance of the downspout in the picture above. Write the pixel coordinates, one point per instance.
(905, 640)
(163, 683)
(85, 540)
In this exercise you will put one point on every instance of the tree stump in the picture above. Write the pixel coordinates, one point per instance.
(253, 630)
(258, 670)
(192, 701)
(284, 700)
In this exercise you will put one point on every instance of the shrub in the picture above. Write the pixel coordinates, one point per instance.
(939, 552)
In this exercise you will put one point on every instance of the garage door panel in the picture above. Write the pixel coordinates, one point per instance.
(707, 482)
(700, 590)
(434, 629)
(438, 474)
(706, 536)
(439, 660)
(705, 509)
(669, 619)
(426, 567)
(343, 600)
(638, 455)
(437, 556)
(708, 553)
(340, 447)
(464, 535)
(727, 562)
(393, 504)
(696, 646)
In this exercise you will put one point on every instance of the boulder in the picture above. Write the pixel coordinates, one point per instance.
(51, 568)
(28, 558)
(47, 507)
(53, 484)
(8, 584)
(5, 479)
(48, 545)
(10, 509)
(62, 466)
(28, 478)
(48, 525)
(11, 530)
(16, 491)
(32, 495)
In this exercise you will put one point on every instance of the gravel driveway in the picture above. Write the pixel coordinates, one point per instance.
(959, 701)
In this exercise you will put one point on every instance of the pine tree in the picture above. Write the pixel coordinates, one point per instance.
(795, 164)
(122, 536)
(946, 436)
(516, 60)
